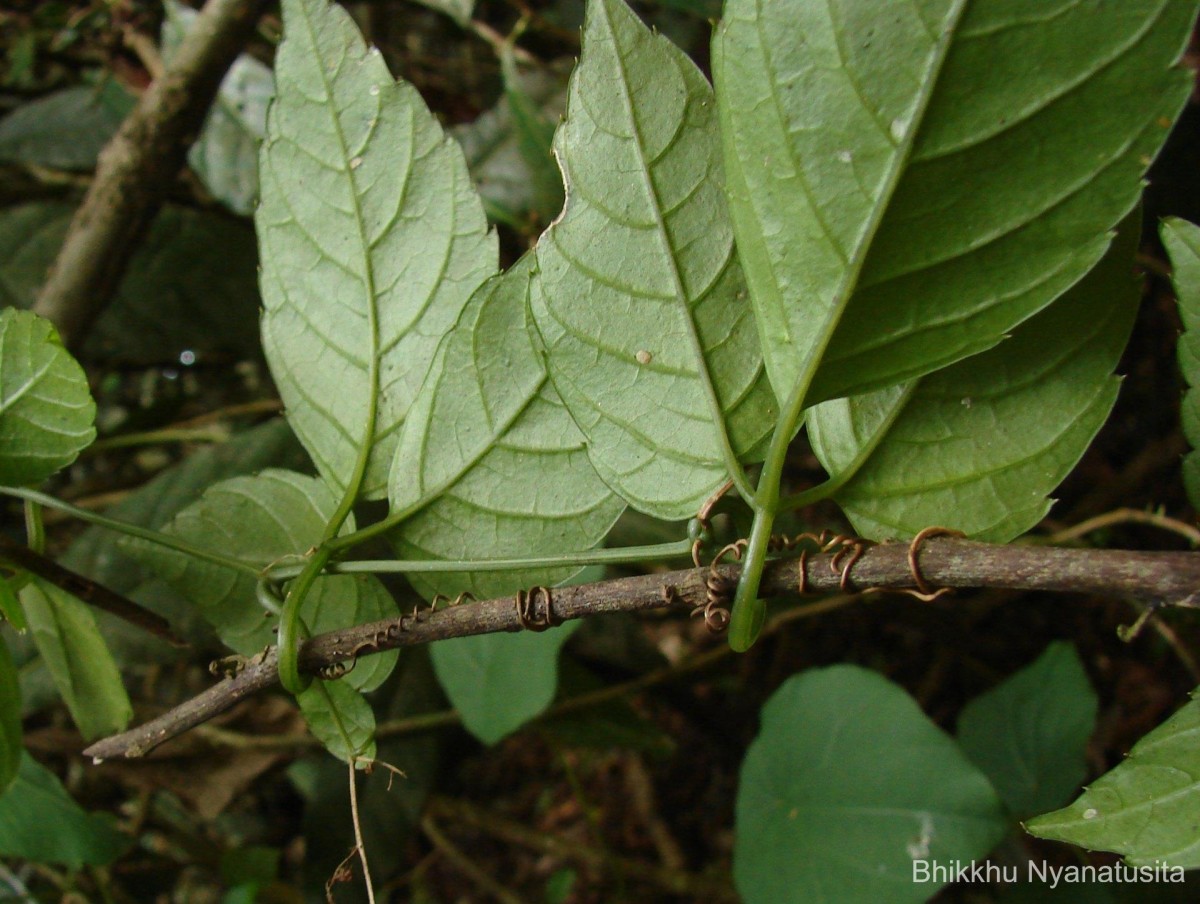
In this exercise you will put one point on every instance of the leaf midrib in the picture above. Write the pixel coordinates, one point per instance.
(714, 405)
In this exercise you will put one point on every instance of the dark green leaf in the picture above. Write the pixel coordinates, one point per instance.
(10, 606)
(67, 129)
(1183, 243)
(10, 718)
(979, 445)
(846, 786)
(78, 659)
(1029, 735)
(340, 718)
(46, 408)
(911, 180)
(1146, 807)
(40, 822)
(498, 682)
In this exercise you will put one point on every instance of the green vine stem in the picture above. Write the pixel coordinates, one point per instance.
(620, 556)
(35, 530)
(131, 530)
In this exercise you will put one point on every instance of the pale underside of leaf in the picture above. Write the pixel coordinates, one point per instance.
(490, 464)
(1182, 240)
(46, 408)
(909, 190)
(372, 241)
(640, 301)
(979, 445)
(1145, 808)
(261, 520)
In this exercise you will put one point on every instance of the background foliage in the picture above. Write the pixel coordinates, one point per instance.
(577, 804)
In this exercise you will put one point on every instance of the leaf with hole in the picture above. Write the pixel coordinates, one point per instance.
(77, 658)
(847, 785)
(1029, 734)
(640, 301)
(372, 240)
(909, 181)
(46, 407)
(258, 521)
(1145, 808)
(978, 445)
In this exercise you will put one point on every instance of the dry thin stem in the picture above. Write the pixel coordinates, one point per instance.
(359, 844)
(138, 165)
(463, 863)
(1128, 516)
(1166, 578)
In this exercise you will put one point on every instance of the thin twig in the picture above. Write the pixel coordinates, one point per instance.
(359, 844)
(464, 864)
(1128, 516)
(1159, 578)
(88, 591)
(138, 165)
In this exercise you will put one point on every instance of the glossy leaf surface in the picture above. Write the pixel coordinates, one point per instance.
(640, 301)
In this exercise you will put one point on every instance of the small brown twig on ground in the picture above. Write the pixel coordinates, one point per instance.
(137, 166)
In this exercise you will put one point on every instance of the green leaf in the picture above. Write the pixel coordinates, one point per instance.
(498, 682)
(257, 521)
(489, 463)
(40, 822)
(846, 786)
(979, 445)
(10, 607)
(46, 408)
(67, 129)
(1146, 807)
(10, 718)
(372, 241)
(640, 301)
(191, 286)
(340, 718)
(911, 180)
(1029, 735)
(225, 156)
(1183, 244)
(78, 659)
(511, 185)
